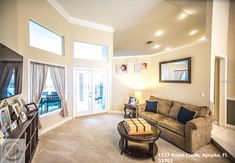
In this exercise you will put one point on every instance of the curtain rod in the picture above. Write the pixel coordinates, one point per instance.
(46, 64)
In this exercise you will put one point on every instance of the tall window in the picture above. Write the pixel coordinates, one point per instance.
(43, 38)
(90, 51)
(50, 100)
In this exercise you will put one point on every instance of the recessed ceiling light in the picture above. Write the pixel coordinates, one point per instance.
(156, 46)
(159, 33)
(149, 42)
(202, 38)
(167, 48)
(193, 32)
(182, 16)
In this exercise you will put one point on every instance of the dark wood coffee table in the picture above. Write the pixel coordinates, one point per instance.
(135, 145)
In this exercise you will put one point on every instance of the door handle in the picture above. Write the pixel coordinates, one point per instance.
(90, 94)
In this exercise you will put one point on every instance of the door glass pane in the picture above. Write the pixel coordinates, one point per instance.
(83, 91)
(99, 81)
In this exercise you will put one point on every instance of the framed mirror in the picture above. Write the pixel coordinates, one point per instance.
(175, 71)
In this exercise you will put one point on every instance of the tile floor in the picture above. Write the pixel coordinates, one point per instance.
(225, 137)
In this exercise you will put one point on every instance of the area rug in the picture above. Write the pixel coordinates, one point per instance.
(94, 139)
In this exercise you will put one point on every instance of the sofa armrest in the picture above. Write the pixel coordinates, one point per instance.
(141, 107)
(200, 122)
(198, 133)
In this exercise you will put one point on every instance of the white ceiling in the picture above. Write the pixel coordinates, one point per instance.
(136, 21)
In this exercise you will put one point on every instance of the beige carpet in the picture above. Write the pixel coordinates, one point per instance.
(94, 139)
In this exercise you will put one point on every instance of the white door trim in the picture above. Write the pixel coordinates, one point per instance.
(74, 93)
(223, 88)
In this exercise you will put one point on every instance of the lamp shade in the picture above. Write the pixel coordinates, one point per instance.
(138, 94)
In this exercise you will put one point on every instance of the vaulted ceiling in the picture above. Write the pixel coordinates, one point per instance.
(136, 21)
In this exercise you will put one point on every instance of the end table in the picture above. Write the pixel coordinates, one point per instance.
(132, 109)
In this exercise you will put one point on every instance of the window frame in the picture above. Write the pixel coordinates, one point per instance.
(29, 85)
(50, 30)
(98, 60)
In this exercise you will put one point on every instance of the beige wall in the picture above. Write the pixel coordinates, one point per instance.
(219, 31)
(124, 85)
(231, 51)
(15, 34)
(189, 93)
(8, 23)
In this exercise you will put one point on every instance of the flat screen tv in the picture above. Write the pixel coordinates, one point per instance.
(11, 71)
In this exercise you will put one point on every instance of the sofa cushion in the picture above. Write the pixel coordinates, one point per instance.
(172, 125)
(152, 116)
(151, 106)
(174, 110)
(202, 111)
(154, 98)
(185, 115)
(164, 105)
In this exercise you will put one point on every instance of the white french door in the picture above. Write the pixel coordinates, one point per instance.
(90, 91)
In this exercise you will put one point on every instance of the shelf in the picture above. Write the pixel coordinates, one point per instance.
(28, 131)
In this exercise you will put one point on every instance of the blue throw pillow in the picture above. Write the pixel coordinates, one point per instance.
(151, 106)
(185, 115)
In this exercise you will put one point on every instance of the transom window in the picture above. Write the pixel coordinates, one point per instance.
(43, 38)
(90, 51)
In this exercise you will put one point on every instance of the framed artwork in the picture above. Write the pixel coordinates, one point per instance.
(14, 125)
(1, 137)
(22, 104)
(31, 107)
(5, 119)
(132, 101)
(122, 68)
(19, 112)
(141, 67)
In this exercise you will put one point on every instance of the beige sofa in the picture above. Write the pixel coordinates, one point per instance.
(190, 136)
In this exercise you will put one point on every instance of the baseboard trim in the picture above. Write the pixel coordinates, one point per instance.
(88, 115)
(231, 126)
(43, 131)
(231, 98)
(116, 112)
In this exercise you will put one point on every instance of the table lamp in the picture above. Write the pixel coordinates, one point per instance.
(138, 95)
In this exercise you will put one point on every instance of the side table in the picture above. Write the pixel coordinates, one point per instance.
(130, 111)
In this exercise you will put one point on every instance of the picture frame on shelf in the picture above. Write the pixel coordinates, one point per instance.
(5, 118)
(132, 100)
(32, 107)
(22, 104)
(19, 112)
(1, 137)
(14, 125)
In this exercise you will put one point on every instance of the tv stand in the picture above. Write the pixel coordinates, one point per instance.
(28, 131)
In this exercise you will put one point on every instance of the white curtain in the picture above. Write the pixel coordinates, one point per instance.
(58, 79)
(38, 80)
